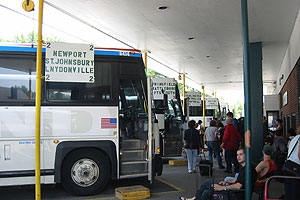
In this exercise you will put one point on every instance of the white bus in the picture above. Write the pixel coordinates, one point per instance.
(90, 132)
(196, 113)
(171, 132)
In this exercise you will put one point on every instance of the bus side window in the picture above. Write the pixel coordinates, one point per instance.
(97, 92)
(17, 79)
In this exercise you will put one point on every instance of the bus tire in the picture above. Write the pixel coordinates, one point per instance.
(85, 172)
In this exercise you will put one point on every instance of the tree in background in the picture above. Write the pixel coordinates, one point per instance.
(154, 74)
(31, 38)
(238, 109)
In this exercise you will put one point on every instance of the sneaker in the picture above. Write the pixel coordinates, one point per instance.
(190, 171)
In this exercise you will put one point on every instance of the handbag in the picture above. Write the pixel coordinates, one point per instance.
(186, 143)
(290, 167)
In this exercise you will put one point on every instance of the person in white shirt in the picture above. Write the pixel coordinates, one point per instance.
(292, 186)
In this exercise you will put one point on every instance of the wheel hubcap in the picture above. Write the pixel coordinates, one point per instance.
(85, 172)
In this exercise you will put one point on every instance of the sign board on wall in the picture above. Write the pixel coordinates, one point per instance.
(194, 98)
(68, 62)
(161, 86)
(211, 103)
(285, 98)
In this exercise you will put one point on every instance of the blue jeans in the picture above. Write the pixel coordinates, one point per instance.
(206, 191)
(192, 156)
(230, 157)
(214, 147)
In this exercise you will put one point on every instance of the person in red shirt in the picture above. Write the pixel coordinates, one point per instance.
(265, 168)
(230, 143)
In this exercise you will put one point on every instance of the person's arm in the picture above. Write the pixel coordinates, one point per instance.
(235, 186)
(205, 135)
(261, 166)
(299, 149)
(185, 135)
(228, 181)
(216, 134)
(225, 137)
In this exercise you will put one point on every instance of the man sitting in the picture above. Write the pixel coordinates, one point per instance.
(206, 190)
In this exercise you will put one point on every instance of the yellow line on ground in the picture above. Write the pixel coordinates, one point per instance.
(104, 198)
(159, 179)
(166, 192)
(170, 184)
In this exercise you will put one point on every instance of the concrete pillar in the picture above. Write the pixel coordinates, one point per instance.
(256, 96)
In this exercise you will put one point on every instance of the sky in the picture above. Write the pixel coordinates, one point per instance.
(15, 21)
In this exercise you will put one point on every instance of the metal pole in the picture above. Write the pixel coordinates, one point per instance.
(188, 109)
(149, 130)
(247, 97)
(203, 107)
(184, 94)
(38, 104)
(146, 61)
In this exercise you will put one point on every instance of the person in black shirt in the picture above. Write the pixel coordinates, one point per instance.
(192, 145)
(207, 189)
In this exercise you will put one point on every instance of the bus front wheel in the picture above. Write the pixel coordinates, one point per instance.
(85, 172)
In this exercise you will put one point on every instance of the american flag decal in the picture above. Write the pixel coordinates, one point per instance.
(108, 123)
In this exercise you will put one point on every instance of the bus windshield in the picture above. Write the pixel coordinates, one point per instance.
(133, 93)
(198, 111)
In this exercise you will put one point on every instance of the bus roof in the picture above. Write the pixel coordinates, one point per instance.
(98, 50)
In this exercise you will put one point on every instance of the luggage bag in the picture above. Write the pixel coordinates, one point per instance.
(205, 166)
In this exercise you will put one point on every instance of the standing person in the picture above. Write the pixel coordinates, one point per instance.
(280, 150)
(279, 127)
(211, 136)
(201, 131)
(265, 127)
(234, 121)
(292, 186)
(230, 143)
(192, 144)
(241, 125)
(221, 129)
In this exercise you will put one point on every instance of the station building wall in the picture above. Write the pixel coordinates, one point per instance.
(287, 84)
(289, 99)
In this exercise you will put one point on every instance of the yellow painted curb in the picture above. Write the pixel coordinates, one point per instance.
(178, 162)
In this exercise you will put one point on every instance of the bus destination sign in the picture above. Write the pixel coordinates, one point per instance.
(68, 62)
(161, 86)
(211, 103)
(194, 98)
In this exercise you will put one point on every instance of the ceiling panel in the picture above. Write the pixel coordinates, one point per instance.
(213, 58)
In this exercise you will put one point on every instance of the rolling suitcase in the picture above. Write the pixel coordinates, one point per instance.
(205, 169)
(205, 166)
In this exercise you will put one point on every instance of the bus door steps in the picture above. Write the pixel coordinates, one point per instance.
(133, 144)
(130, 167)
(133, 155)
(123, 176)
